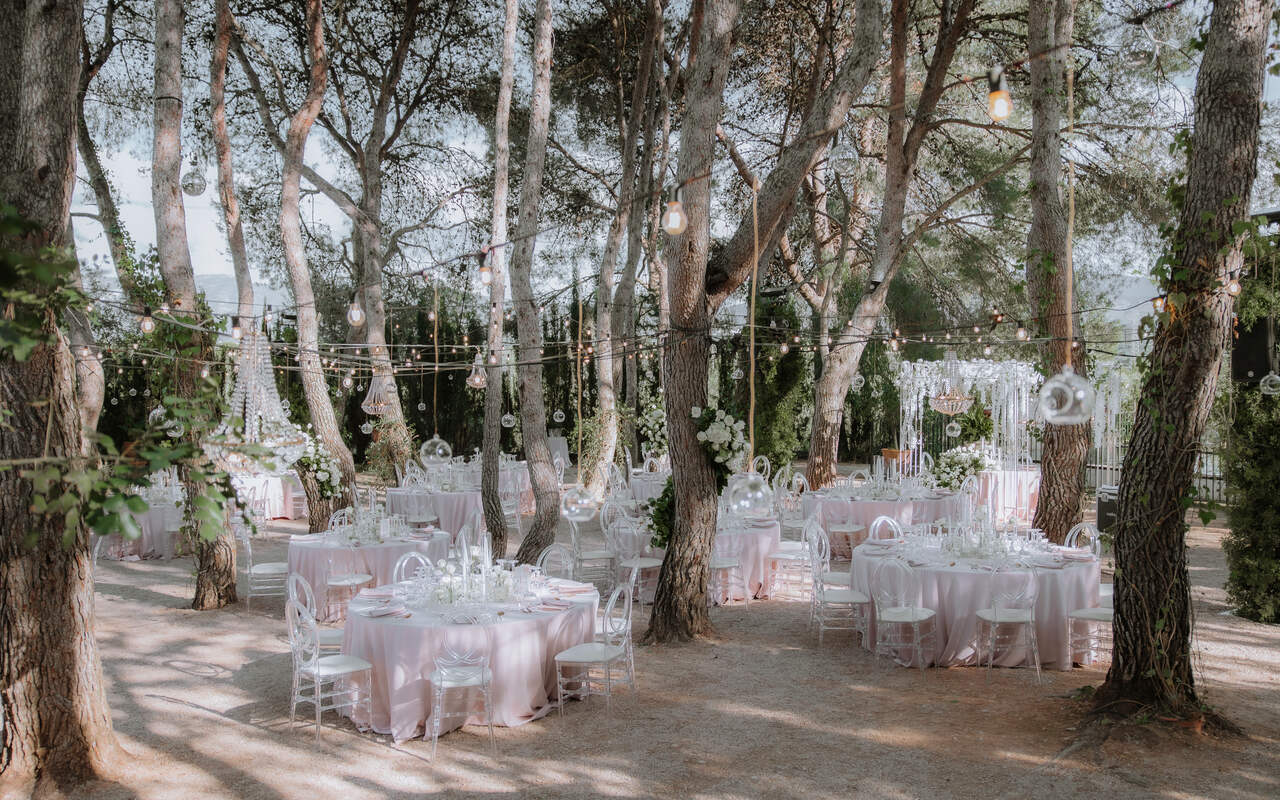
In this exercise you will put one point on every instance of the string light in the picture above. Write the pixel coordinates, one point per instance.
(999, 103)
(236, 331)
(355, 314)
(147, 324)
(674, 220)
(1021, 334)
(1233, 287)
(1158, 304)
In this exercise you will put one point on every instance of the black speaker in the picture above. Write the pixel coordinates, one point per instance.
(1250, 357)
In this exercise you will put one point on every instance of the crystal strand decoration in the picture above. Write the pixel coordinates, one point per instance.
(255, 434)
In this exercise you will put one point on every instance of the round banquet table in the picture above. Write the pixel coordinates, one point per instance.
(278, 490)
(864, 512)
(456, 508)
(759, 541)
(412, 503)
(957, 588)
(645, 486)
(522, 647)
(309, 555)
(158, 525)
(1010, 493)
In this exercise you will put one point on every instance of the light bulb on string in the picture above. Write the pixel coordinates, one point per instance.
(1233, 287)
(236, 330)
(355, 314)
(477, 378)
(674, 220)
(1021, 334)
(204, 372)
(1158, 303)
(147, 324)
(784, 349)
(986, 350)
(999, 102)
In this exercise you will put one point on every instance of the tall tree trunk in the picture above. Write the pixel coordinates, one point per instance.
(1151, 665)
(222, 146)
(680, 603)
(1048, 270)
(324, 422)
(489, 475)
(215, 555)
(533, 409)
(91, 380)
(56, 722)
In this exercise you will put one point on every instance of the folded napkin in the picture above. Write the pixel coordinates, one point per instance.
(376, 593)
(554, 605)
(1046, 563)
(575, 589)
(389, 610)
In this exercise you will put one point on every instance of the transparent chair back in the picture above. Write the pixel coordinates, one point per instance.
(300, 592)
(408, 565)
(799, 483)
(884, 527)
(304, 636)
(617, 615)
(1013, 588)
(894, 584)
(343, 516)
(1084, 534)
(760, 464)
(819, 544)
(556, 561)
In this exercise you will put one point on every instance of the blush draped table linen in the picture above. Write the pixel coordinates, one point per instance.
(957, 588)
(159, 526)
(277, 490)
(522, 647)
(1010, 493)
(833, 510)
(313, 557)
(758, 540)
(645, 486)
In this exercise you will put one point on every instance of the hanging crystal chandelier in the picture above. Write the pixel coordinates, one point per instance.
(477, 378)
(378, 401)
(952, 399)
(255, 434)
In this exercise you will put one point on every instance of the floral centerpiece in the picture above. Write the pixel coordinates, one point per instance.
(320, 463)
(652, 423)
(723, 437)
(952, 467)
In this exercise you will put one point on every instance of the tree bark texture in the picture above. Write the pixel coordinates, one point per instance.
(902, 146)
(680, 602)
(1151, 664)
(224, 24)
(1048, 269)
(215, 556)
(324, 421)
(489, 470)
(56, 723)
(533, 410)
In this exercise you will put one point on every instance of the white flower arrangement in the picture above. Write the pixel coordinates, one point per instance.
(318, 461)
(723, 437)
(952, 467)
(652, 423)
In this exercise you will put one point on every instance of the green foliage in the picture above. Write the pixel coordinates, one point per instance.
(662, 515)
(871, 414)
(975, 424)
(1253, 545)
(781, 385)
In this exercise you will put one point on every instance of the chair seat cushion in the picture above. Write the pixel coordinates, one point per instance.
(1001, 616)
(461, 677)
(837, 578)
(354, 579)
(1103, 614)
(591, 653)
(640, 563)
(851, 596)
(904, 614)
(270, 568)
(337, 666)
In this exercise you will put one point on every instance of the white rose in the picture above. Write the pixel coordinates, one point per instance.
(737, 426)
(697, 411)
(702, 437)
(322, 475)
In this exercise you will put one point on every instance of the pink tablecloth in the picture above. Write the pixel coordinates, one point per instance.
(311, 558)
(522, 648)
(1010, 493)
(160, 524)
(647, 485)
(957, 593)
(456, 509)
(758, 542)
(413, 504)
(279, 491)
(864, 512)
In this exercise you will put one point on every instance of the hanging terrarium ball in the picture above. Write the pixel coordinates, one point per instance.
(146, 392)
(751, 496)
(115, 401)
(193, 183)
(578, 505)
(953, 429)
(858, 383)
(422, 406)
(737, 374)
(133, 392)
(1270, 384)
(508, 421)
(366, 428)
(557, 416)
(1066, 398)
(435, 451)
(175, 429)
(284, 406)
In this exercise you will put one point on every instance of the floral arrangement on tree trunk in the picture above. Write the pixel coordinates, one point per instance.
(318, 461)
(652, 423)
(951, 467)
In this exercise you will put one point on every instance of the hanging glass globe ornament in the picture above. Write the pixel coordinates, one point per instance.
(859, 382)
(1270, 384)
(751, 497)
(193, 183)
(577, 505)
(508, 421)
(953, 429)
(115, 401)
(737, 374)
(381, 396)
(146, 392)
(366, 428)
(435, 451)
(477, 378)
(557, 416)
(133, 392)
(422, 406)
(347, 382)
(1066, 398)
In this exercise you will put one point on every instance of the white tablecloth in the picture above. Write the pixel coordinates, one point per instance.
(311, 557)
(864, 512)
(758, 542)
(956, 593)
(1010, 493)
(456, 509)
(522, 648)
(645, 486)
(160, 524)
(279, 491)
(411, 503)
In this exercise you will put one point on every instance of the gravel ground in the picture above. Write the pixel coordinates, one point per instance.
(200, 703)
